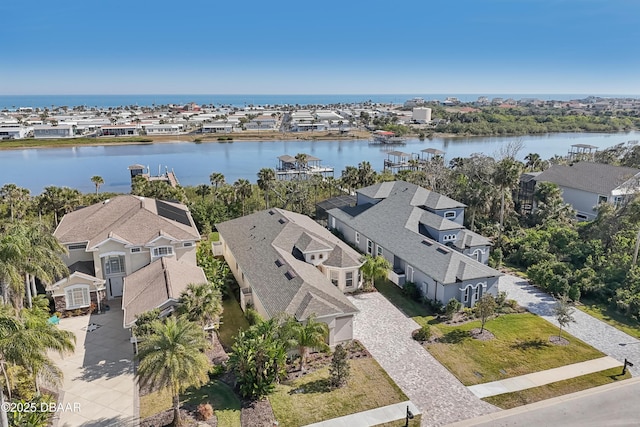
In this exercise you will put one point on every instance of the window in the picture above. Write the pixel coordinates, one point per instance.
(357, 237)
(135, 250)
(602, 199)
(450, 214)
(313, 257)
(349, 278)
(187, 244)
(369, 247)
(477, 297)
(379, 250)
(467, 292)
(80, 246)
(114, 264)
(77, 296)
(162, 251)
(476, 254)
(320, 256)
(448, 237)
(409, 273)
(334, 277)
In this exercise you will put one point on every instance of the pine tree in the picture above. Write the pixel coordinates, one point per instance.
(340, 368)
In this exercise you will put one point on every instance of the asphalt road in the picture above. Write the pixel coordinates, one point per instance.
(611, 405)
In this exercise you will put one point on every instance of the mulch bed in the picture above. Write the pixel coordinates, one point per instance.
(257, 414)
(316, 361)
(189, 415)
(556, 340)
(484, 336)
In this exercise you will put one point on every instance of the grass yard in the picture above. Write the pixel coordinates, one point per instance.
(610, 316)
(225, 403)
(415, 422)
(521, 346)
(417, 311)
(233, 321)
(524, 397)
(309, 399)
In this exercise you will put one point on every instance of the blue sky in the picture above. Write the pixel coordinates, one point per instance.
(329, 47)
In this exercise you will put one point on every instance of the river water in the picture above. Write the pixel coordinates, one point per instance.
(193, 163)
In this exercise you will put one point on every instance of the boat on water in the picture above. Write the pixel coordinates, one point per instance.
(387, 137)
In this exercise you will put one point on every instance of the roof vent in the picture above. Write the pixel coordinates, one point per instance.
(443, 251)
(282, 221)
(290, 275)
(271, 212)
(426, 242)
(279, 262)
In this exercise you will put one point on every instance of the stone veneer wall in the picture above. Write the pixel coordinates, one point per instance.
(61, 304)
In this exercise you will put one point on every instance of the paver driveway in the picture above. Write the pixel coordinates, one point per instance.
(594, 332)
(99, 376)
(386, 332)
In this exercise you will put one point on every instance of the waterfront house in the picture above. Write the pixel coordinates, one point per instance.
(50, 131)
(120, 130)
(120, 243)
(420, 233)
(584, 186)
(162, 129)
(15, 132)
(287, 263)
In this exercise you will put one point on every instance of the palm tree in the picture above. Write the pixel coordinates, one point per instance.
(366, 174)
(301, 161)
(243, 190)
(172, 357)
(349, 178)
(216, 179)
(374, 268)
(266, 178)
(203, 190)
(310, 334)
(201, 303)
(59, 200)
(17, 198)
(505, 178)
(97, 181)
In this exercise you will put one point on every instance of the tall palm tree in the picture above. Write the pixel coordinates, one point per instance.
(17, 198)
(374, 268)
(201, 303)
(310, 334)
(59, 200)
(266, 178)
(506, 176)
(301, 161)
(97, 181)
(243, 190)
(203, 190)
(216, 179)
(366, 174)
(172, 357)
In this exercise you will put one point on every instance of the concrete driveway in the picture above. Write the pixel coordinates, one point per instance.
(98, 388)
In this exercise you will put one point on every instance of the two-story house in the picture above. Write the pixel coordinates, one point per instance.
(287, 263)
(111, 242)
(584, 186)
(420, 233)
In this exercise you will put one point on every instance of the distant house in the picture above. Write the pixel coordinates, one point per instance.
(217, 127)
(165, 129)
(287, 263)
(117, 248)
(14, 132)
(420, 233)
(50, 131)
(585, 185)
(120, 130)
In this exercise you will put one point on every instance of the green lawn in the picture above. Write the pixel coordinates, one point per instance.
(408, 306)
(65, 142)
(225, 403)
(415, 422)
(521, 346)
(309, 399)
(524, 397)
(233, 321)
(609, 315)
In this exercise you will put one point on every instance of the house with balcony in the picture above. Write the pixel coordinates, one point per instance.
(421, 234)
(117, 249)
(287, 263)
(584, 186)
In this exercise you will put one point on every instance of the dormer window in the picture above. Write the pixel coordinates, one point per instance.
(162, 251)
(450, 214)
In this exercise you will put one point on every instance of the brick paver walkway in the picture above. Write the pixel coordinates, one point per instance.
(594, 332)
(386, 333)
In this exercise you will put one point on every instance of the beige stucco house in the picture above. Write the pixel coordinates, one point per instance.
(287, 263)
(110, 241)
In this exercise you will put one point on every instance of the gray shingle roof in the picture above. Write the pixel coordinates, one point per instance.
(421, 196)
(132, 219)
(259, 239)
(393, 223)
(587, 176)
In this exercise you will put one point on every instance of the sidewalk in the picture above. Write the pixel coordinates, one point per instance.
(549, 376)
(372, 417)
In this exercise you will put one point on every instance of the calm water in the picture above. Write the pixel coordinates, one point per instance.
(42, 101)
(193, 163)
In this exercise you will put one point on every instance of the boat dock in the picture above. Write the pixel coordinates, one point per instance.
(301, 167)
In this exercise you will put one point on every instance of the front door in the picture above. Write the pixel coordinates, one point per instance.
(114, 286)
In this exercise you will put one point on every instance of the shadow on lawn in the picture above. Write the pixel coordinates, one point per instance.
(454, 337)
(535, 344)
(322, 385)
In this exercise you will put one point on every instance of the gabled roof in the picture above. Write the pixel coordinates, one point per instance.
(264, 244)
(309, 243)
(588, 176)
(156, 284)
(140, 219)
(421, 196)
(394, 223)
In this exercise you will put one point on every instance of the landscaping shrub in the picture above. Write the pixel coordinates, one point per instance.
(253, 317)
(412, 291)
(340, 369)
(423, 334)
(205, 410)
(452, 307)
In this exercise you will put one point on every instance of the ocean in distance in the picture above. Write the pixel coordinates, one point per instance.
(10, 102)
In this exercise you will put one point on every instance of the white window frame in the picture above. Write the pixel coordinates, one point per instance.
(357, 237)
(69, 296)
(369, 247)
(477, 290)
(135, 250)
(379, 250)
(467, 293)
(450, 214)
(334, 276)
(187, 244)
(156, 252)
(77, 247)
(601, 196)
(121, 261)
(347, 280)
(448, 237)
